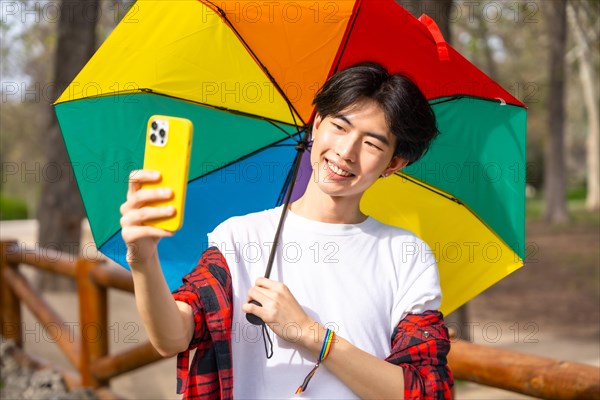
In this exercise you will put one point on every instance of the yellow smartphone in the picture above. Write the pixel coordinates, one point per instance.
(168, 149)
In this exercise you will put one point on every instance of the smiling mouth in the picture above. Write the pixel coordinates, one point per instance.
(337, 170)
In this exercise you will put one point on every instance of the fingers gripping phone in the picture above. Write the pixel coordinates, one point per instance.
(168, 148)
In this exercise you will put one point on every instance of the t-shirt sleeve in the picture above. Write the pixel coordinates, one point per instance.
(222, 238)
(419, 289)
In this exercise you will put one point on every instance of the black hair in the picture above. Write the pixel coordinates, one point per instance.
(407, 112)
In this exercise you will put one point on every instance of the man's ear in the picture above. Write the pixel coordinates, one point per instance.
(316, 123)
(395, 165)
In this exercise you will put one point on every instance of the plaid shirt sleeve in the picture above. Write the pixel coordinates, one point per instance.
(207, 289)
(420, 344)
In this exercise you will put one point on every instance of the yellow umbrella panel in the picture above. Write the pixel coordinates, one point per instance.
(470, 256)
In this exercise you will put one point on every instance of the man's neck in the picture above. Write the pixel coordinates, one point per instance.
(318, 206)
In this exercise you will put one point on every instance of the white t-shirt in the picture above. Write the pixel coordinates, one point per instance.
(359, 280)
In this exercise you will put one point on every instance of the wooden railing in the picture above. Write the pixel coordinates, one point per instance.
(524, 373)
(517, 372)
(87, 353)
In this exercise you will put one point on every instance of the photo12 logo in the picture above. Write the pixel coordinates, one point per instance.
(71, 332)
(290, 12)
(29, 12)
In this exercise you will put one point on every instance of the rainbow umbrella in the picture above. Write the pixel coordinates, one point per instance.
(245, 73)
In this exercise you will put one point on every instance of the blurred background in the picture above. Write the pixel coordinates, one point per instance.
(545, 52)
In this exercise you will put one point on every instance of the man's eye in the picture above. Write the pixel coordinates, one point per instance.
(338, 127)
(373, 145)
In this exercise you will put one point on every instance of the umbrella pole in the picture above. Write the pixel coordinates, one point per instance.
(300, 147)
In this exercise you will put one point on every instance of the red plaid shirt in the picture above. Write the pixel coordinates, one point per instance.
(207, 289)
(420, 342)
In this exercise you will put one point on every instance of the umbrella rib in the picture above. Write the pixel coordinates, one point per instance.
(430, 188)
(454, 199)
(220, 108)
(347, 36)
(255, 57)
(298, 129)
(274, 144)
(98, 96)
(435, 102)
(441, 100)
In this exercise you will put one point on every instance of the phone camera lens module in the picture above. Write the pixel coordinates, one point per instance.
(153, 138)
(154, 125)
(162, 133)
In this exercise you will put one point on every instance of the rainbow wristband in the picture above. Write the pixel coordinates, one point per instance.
(327, 342)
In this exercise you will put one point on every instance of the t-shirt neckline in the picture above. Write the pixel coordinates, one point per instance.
(306, 224)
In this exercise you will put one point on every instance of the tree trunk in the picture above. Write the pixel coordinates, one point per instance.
(592, 201)
(61, 210)
(554, 168)
(586, 75)
(482, 29)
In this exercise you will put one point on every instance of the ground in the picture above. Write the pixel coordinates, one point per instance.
(559, 286)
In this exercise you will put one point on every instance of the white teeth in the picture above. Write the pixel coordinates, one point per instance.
(338, 170)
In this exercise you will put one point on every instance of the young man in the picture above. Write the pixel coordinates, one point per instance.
(343, 292)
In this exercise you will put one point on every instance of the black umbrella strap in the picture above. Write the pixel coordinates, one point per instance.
(266, 336)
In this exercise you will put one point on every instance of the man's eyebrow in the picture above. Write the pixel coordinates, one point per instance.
(382, 138)
(343, 118)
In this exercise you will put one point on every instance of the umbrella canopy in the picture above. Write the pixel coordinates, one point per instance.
(245, 73)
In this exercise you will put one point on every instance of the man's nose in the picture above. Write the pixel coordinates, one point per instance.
(348, 147)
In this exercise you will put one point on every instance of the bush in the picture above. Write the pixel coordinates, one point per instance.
(577, 193)
(12, 208)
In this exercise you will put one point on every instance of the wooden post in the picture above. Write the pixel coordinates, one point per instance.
(44, 314)
(10, 308)
(93, 316)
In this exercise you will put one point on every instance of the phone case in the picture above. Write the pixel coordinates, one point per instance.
(168, 149)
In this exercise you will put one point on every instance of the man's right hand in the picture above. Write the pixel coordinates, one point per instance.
(169, 323)
(142, 240)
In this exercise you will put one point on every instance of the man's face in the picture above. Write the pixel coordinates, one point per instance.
(352, 149)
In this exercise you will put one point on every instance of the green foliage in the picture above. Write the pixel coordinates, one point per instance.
(12, 208)
(577, 193)
(580, 215)
(534, 208)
